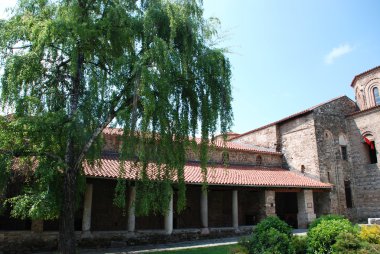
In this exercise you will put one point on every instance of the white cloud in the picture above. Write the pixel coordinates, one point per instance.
(335, 53)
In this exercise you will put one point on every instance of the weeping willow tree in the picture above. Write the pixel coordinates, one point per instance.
(72, 67)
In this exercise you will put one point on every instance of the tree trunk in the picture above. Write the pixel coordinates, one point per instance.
(67, 239)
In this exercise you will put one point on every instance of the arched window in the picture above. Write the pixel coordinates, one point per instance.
(259, 160)
(225, 157)
(376, 95)
(369, 143)
(343, 146)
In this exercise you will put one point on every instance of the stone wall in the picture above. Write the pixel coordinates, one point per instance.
(239, 158)
(298, 144)
(366, 176)
(265, 137)
(331, 135)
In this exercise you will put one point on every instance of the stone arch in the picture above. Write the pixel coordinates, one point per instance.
(369, 90)
(369, 146)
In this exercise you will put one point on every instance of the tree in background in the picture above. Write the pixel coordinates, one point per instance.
(71, 67)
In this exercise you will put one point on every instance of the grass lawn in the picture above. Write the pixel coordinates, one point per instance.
(224, 249)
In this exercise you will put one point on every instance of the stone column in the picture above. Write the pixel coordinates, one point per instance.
(305, 208)
(269, 203)
(235, 212)
(87, 205)
(204, 213)
(169, 217)
(131, 210)
(37, 226)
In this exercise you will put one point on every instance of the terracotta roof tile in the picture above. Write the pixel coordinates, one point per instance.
(217, 175)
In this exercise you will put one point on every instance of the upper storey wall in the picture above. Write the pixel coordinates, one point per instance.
(298, 144)
(266, 137)
(112, 144)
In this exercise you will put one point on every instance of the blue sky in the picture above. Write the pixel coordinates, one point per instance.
(289, 55)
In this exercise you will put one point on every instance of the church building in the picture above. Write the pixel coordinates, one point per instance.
(323, 160)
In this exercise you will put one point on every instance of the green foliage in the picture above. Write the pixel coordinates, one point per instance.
(273, 222)
(370, 234)
(322, 237)
(299, 244)
(347, 242)
(316, 222)
(73, 67)
(271, 235)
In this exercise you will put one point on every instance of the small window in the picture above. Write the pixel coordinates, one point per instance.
(302, 169)
(347, 188)
(259, 160)
(343, 150)
(376, 95)
(225, 157)
(328, 176)
(371, 148)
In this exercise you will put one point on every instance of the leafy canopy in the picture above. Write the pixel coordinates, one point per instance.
(72, 67)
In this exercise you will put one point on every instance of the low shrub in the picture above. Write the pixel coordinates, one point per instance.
(324, 218)
(299, 244)
(271, 236)
(273, 222)
(370, 234)
(347, 243)
(322, 237)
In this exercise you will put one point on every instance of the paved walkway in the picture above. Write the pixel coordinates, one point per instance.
(174, 246)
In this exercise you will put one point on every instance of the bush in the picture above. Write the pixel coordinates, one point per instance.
(273, 222)
(370, 234)
(299, 244)
(323, 218)
(271, 236)
(347, 243)
(323, 236)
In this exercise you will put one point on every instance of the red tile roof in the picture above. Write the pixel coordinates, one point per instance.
(306, 111)
(217, 175)
(362, 74)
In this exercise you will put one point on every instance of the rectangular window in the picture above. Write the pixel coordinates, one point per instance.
(372, 153)
(347, 188)
(344, 152)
